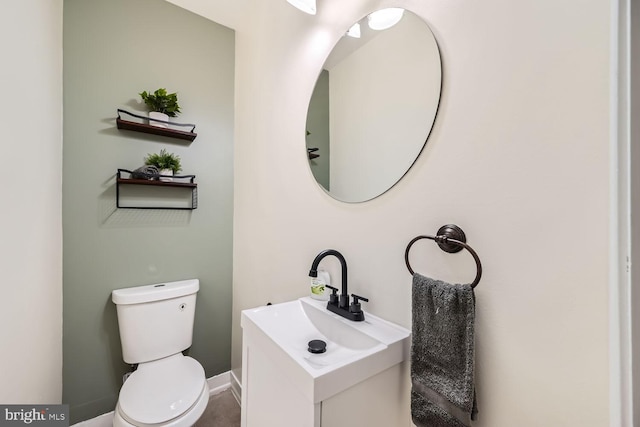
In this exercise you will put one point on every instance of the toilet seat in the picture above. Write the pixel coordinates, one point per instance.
(162, 390)
(187, 419)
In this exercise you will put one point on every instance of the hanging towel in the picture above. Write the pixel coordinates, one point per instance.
(442, 354)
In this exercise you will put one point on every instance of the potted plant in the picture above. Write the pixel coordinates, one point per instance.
(168, 163)
(162, 105)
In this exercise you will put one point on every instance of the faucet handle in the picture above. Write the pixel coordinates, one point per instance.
(333, 298)
(355, 305)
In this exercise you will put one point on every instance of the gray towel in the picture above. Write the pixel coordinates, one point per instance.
(146, 172)
(442, 354)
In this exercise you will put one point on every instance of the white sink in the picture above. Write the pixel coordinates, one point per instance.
(355, 350)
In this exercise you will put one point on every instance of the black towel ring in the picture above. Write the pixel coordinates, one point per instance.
(451, 239)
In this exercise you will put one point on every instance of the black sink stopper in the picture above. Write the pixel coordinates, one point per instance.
(317, 346)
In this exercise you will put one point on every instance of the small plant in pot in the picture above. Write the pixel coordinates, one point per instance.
(162, 105)
(168, 163)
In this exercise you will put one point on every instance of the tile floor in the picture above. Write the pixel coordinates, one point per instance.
(223, 411)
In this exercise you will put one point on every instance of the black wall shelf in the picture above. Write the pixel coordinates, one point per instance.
(155, 130)
(178, 181)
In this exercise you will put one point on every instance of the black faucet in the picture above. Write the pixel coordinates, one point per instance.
(340, 306)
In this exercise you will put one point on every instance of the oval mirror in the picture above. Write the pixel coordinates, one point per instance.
(373, 107)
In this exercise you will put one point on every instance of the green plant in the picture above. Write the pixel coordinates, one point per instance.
(162, 102)
(164, 160)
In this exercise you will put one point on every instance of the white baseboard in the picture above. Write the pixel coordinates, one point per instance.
(236, 387)
(104, 420)
(217, 384)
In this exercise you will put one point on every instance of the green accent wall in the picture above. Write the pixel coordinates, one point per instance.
(114, 49)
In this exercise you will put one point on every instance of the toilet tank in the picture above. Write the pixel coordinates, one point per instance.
(155, 321)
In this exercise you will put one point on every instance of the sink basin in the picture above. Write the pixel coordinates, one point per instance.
(355, 351)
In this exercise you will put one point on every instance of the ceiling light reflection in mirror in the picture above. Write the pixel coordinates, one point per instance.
(385, 18)
(373, 107)
(307, 6)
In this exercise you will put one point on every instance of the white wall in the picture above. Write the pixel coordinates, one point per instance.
(230, 13)
(518, 158)
(31, 227)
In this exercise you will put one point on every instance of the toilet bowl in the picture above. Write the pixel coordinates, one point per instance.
(167, 389)
(169, 392)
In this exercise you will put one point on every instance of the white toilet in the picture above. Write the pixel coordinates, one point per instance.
(156, 324)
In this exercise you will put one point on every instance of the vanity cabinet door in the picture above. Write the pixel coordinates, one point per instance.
(269, 397)
(377, 401)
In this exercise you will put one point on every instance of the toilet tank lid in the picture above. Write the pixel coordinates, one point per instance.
(156, 292)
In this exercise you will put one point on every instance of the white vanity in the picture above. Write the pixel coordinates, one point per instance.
(358, 381)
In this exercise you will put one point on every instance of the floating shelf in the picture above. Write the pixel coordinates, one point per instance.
(155, 130)
(178, 181)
